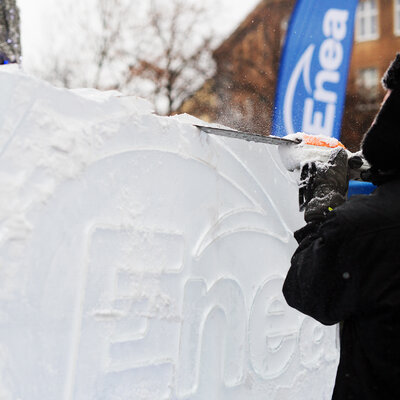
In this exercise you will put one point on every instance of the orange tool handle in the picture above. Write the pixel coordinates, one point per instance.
(321, 141)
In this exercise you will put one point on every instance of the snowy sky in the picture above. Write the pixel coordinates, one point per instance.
(36, 16)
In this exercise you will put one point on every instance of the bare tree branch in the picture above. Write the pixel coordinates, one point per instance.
(173, 59)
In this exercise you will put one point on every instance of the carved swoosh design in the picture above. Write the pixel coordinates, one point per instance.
(263, 217)
(242, 220)
(260, 216)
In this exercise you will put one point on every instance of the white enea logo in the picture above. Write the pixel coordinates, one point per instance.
(302, 68)
(334, 27)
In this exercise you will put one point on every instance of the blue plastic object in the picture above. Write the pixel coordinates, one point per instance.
(356, 187)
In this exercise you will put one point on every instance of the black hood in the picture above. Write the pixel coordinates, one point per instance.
(381, 143)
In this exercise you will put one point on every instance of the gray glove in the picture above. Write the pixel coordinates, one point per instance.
(323, 186)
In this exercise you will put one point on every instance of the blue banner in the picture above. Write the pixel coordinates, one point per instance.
(311, 88)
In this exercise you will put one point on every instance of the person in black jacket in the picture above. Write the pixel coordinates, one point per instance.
(347, 266)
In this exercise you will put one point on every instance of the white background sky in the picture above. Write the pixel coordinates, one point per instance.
(36, 17)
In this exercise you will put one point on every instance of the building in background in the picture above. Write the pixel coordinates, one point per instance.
(376, 41)
(241, 93)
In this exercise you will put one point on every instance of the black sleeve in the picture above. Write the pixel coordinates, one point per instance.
(322, 280)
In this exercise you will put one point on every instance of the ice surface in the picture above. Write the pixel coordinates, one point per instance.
(142, 259)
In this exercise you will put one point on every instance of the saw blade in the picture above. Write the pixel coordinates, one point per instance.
(250, 137)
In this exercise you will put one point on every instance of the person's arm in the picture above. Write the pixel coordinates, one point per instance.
(322, 280)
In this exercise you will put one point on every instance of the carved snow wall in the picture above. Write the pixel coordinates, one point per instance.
(142, 259)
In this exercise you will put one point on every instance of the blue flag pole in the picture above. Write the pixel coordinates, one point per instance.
(311, 87)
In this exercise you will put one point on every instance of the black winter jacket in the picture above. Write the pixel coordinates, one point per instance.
(347, 268)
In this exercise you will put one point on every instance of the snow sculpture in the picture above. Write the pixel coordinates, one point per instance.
(142, 259)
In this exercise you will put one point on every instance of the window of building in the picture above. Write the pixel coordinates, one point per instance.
(368, 82)
(396, 7)
(367, 21)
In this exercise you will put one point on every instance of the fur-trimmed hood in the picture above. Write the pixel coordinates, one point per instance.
(391, 78)
(381, 143)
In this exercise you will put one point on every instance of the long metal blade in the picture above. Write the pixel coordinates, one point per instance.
(250, 137)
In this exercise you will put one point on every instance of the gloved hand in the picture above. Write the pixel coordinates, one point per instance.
(323, 186)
